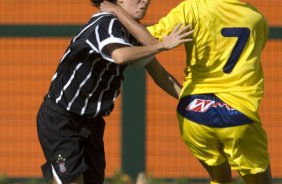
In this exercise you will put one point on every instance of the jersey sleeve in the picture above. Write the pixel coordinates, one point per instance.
(179, 14)
(110, 31)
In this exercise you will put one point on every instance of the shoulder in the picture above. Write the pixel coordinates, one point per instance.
(105, 17)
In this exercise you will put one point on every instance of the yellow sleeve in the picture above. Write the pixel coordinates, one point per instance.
(166, 24)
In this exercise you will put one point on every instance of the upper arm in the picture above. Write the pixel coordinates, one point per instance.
(109, 36)
(111, 50)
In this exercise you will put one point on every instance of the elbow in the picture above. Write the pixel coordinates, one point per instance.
(118, 58)
(119, 61)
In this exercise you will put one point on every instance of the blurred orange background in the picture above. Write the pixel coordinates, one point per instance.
(27, 66)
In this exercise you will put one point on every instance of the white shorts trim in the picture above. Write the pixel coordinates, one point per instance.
(55, 176)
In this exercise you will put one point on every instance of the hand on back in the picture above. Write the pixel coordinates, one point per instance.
(177, 37)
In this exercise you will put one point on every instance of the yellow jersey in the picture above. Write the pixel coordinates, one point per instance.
(224, 57)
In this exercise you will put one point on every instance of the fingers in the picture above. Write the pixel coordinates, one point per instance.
(178, 36)
(105, 3)
(186, 34)
(107, 6)
(185, 40)
(183, 32)
(185, 29)
(176, 28)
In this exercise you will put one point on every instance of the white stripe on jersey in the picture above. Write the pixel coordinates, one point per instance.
(90, 94)
(97, 35)
(82, 84)
(65, 55)
(101, 95)
(86, 28)
(69, 82)
(118, 73)
(116, 93)
(101, 13)
(98, 42)
(56, 177)
(110, 30)
(92, 46)
(112, 40)
(107, 41)
(55, 75)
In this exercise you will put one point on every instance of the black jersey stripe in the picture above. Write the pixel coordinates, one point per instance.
(68, 51)
(68, 82)
(101, 95)
(92, 46)
(87, 27)
(81, 85)
(94, 90)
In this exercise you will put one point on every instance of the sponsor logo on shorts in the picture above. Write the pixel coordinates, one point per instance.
(202, 105)
(61, 164)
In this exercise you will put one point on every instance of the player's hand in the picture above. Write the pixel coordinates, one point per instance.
(107, 6)
(177, 37)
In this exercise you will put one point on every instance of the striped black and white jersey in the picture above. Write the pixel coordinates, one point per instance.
(87, 81)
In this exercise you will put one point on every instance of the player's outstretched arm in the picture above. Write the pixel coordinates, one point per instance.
(122, 54)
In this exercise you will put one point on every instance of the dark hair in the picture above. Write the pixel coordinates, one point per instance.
(98, 2)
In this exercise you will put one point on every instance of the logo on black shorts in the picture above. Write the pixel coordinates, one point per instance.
(61, 164)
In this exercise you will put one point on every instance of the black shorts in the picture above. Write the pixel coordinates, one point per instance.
(72, 145)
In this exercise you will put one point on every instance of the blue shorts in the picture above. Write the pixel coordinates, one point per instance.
(209, 110)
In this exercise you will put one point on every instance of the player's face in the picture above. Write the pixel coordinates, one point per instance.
(136, 8)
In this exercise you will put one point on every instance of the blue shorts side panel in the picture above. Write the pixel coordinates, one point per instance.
(211, 111)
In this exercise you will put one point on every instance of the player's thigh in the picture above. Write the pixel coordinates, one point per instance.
(62, 140)
(245, 147)
(259, 178)
(94, 152)
(204, 145)
(220, 173)
(201, 140)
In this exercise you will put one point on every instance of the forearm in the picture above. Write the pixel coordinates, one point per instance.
(136, 29)
(127, 55)
(164, 79)
(171, 86)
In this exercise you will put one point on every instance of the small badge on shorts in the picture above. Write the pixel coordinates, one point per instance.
(61, 164)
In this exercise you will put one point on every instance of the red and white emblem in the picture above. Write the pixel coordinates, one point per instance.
(200, 105)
